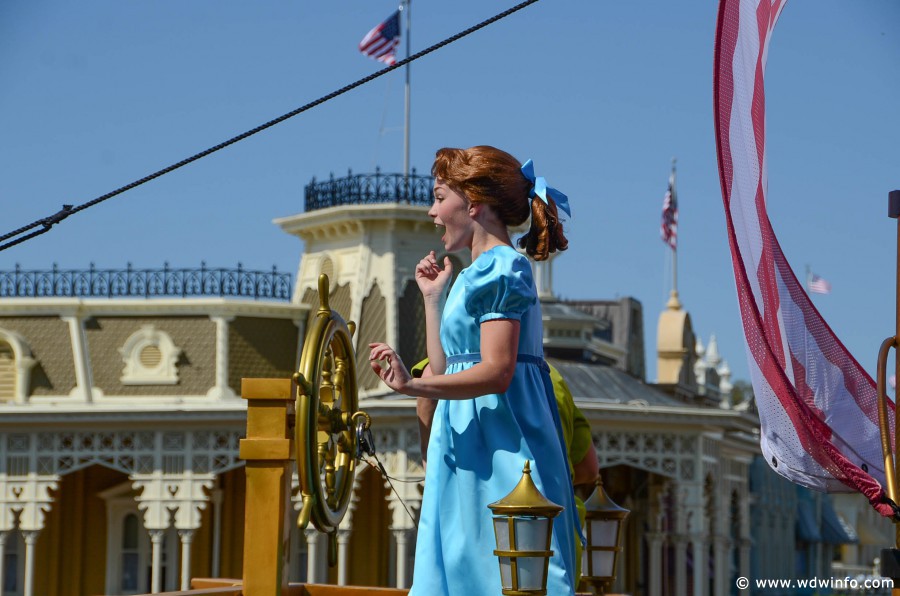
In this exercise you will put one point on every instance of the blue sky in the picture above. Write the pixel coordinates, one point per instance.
(97, 93)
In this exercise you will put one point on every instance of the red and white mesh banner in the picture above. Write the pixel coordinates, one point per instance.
(817, 406)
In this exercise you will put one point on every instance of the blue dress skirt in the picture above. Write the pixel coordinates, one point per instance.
(478, 446)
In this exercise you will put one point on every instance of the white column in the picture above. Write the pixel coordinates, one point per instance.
(24, 364)
(722, 554)
(543, 278)
(312, 555)
(221, 390)
(745, 541)
(700, 565)
(745, 562)
(654, 565)
(82, 362)
(390, 279)
(216, 497)
(4, 534)
(30, 537)
(680, 564)
(402, 539)
(343, 546)
(187, 536)
(678, 537)
(156, 541)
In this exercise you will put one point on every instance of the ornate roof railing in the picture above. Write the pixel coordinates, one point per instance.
(369, 189)
(146, 283)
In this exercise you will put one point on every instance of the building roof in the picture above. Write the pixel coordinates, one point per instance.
(560, 310)
(606, 384)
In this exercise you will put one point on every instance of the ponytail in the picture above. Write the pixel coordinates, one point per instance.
(545, 236)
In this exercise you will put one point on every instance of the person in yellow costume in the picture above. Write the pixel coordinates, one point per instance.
(583, 463)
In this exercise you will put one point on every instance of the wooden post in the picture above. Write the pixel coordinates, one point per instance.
(269, 452)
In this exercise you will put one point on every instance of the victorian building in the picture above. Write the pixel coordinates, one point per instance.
(121, 416)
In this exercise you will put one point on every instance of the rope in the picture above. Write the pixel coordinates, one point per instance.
(68, 210)
(384, 473)
(366, 445)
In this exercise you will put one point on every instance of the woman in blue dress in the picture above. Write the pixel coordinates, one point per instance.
(496, 405)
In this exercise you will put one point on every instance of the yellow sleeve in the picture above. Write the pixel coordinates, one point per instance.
(417, 369)
(566, 406)
(581, 436)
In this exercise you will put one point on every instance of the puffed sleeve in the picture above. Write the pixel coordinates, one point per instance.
(499, 287)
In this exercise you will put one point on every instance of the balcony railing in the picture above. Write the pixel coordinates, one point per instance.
(146, 283)
(368, 189)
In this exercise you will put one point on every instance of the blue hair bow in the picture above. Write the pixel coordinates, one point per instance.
(542, 190)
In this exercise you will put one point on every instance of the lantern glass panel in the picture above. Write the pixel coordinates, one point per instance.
(604, 532)
(532, 532)
(603, 563)
(501, 532)
(531, 572)
(506, 573)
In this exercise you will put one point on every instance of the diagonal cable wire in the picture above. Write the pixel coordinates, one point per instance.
(68, 210)
(384, 473)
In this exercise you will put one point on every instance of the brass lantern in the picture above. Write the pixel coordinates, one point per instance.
(603, 531)
(523, 525)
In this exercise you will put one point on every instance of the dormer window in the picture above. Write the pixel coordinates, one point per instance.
(16, 363)
(7, 372)
(328, 268)
(150, 358)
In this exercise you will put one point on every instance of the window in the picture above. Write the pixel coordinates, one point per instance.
(13, 564)
(7, 372)
(16, 363)
(327, 268)
(129, 553)
(151, 358)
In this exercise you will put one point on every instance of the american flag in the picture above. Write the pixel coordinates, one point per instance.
(668, 230)
(817, 285)
(381, 42)
(818, 407)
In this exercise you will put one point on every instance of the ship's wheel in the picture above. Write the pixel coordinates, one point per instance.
(329, 423)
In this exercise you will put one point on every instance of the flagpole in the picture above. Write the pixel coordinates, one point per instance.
(674, 250)
(406, 99)
(675, 270)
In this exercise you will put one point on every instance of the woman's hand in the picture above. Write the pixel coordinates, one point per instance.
(395, 376)
(432, 280)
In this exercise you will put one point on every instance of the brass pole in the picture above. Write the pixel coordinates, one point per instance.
(887, 447)
(268, 451)
(894, 211)
(890, 558)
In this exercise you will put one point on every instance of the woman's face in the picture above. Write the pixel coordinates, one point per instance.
(451, 210)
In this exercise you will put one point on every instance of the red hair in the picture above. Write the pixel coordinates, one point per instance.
(486, 175)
